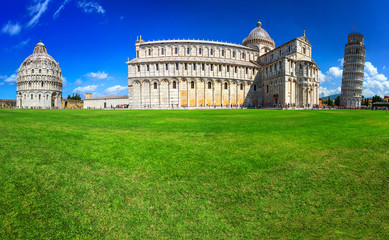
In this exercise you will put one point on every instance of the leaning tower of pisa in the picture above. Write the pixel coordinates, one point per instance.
(353, 70)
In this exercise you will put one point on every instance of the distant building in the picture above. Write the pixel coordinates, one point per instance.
(104, 102)
(39, 81)
(353, 71)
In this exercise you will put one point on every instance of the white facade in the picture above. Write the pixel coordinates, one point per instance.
(195, 73)
(353, 71)
(105, 102)
(39, 81)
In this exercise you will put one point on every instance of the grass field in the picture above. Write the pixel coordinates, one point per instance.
(217, 174)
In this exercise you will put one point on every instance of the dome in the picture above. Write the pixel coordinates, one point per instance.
(39, 81)
(258, 36)
(40, 57)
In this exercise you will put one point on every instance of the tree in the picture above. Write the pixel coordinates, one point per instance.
(377, 98)
(330, 102)
(337, 101)
(75, 97)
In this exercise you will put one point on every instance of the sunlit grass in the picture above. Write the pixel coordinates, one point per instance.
(193, 174)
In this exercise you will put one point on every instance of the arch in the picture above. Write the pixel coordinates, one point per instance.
(209, 83)
(192, 84)
(225, 85)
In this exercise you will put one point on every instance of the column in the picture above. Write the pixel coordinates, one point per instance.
(179, 95)
(141, 94)
(196, 93)
(213, 92)
(244, 93)
(237, 93)
(205, 92)
(229, 93)
(159, 94)
(187, 93)
(221, 93)
(150, 97)
(168, 94)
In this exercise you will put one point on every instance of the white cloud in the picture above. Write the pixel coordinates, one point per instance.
(36, 11)
(90, 7)
(78, 82)
(11, 28)
(324, 92)
(335, 72)
(22, 44)
(86, 89)
(115, 90)
(370, 69)
(56, 14)
(1, 84)
(374, 82)
(384, 67)
(323, 77)
(64, 82)
(341, 61)
(11, 80)
(371, 73)
(98, 75)
(367, 93)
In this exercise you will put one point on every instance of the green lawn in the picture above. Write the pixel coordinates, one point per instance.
(213, 174)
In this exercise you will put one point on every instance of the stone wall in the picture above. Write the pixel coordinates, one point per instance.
(72, 104)
(7, 103)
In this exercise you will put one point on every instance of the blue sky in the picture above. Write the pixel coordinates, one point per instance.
(92, 39)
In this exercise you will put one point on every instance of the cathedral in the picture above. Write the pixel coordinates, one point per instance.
(199, 73)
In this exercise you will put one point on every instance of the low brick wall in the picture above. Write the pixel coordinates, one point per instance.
(72, 104)
(7, 103)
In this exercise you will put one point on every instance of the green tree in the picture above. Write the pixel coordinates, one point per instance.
(337, 101)
(75, 97)
(330, 102)
(377, 98)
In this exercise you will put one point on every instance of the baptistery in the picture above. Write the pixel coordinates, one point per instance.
(39, 81)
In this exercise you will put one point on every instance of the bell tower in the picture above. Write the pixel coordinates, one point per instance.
(353, 70)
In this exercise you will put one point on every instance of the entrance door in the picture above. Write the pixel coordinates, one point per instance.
(105, 105)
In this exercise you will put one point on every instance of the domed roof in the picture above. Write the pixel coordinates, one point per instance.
(258, 34)
(41, 57)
